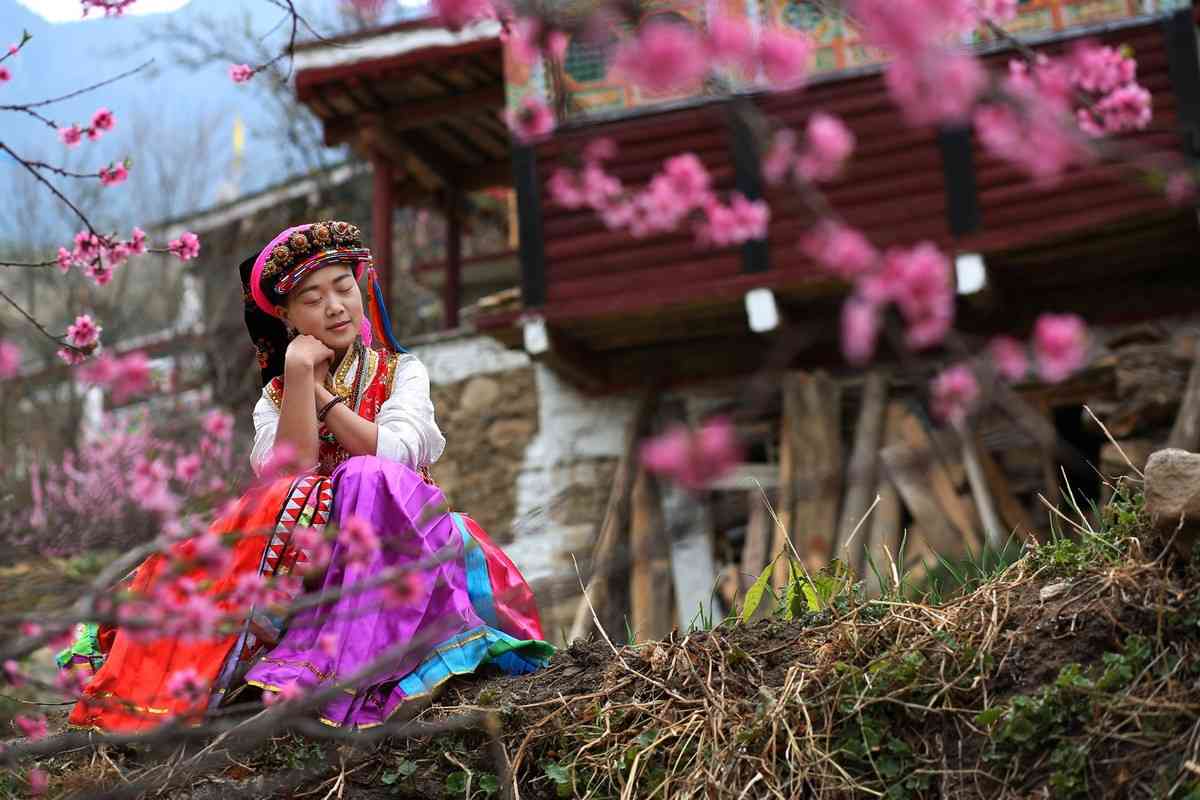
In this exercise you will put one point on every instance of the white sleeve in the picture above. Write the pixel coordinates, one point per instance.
(266, 423)
(408, 433)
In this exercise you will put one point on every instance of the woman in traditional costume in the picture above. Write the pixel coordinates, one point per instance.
(363, 418)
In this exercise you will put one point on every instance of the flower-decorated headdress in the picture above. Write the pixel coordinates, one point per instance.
(284, 263)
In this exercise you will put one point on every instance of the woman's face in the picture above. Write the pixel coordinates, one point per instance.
(327, 305)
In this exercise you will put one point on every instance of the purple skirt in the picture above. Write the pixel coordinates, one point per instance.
(445, 624)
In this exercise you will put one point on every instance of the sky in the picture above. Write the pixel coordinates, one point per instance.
(169, 101)
(69, 10)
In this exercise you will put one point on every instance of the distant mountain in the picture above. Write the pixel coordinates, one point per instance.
(63, 58)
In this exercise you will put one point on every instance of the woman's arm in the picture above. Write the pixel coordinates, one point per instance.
(358, 436)
(405, 429)
(297, 416)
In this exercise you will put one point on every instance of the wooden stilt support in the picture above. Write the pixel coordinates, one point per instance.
(650, 566)
(758, 541)
(1013, 514)
(615, 522)
(810, 470)
(926, 488)
(1185, 433)
(861, 472)
(980, 492)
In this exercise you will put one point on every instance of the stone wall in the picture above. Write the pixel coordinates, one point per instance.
(527, 456)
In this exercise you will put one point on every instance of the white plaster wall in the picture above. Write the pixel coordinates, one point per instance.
(456, 359)
(574, 430)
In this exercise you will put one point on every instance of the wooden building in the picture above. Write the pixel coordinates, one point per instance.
(611, 314)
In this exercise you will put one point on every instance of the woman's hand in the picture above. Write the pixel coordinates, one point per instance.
(308, 353)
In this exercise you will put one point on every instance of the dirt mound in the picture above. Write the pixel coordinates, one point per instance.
(1073, 673)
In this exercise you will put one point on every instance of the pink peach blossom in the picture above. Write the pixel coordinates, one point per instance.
(664, 58)
(70, 135)
(84, 333)
(5, 75)
(830, 143)
(840, 249)
(1060, 343)
(1009, 358)
(39, 782)
(780, 157)
(454, 14)
(186, 247)
(10, 359)
(532, 120)
(31, 727)
(103, 120)
(785, 57)
(358, 540)
(187, 685)
(860, 330)
(70, 357)
(240, 73)
(315, 548)
(600, 149)
(405, 590)
(694, 459)
(527, 40)
(219, 425)
(1180, 188)
(137, 241)
(731, 44)
(954, 393)
(941, 88)
(114, 174)
(13, 674)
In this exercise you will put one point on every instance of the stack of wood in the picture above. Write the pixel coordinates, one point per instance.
(854, 471)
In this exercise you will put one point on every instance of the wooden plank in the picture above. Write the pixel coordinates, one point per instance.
(693, 569)
(940, 484)
(912, 466)
(980, 491)
(861, 472)
(613, 525)
(1016, 519)
(757, 545)
(882, 540)
(788, 453)
(1185, 433)
(650, 568)
(819, 469)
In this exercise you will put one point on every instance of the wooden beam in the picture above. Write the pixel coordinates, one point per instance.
(758, 540)
(810, 471)
(1016, 518)
(1185, 433)
(419, 113)
(573, 362)
(612, 526)
(861, 473)
(382, 211)
(451, 292)
(650, 565)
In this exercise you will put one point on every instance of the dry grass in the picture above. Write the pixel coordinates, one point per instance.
(1075, 672)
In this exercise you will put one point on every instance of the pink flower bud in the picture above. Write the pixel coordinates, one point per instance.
(1060, 343)
(240, 73)
(532, 120)
(10, 359)
(954, 393)
(70, 135)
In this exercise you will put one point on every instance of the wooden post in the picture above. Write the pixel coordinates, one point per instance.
(979, 490)
(1185, 433)
(1015, 517)
(612, 526)
(861, 473)
(810, 470)
(914, 469)
(758, 541)
(650, 566)
(883, 541)
(451, 291)
(382, 176)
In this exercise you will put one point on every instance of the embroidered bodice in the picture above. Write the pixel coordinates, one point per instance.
(389, 389)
